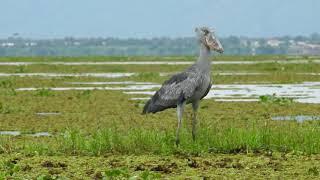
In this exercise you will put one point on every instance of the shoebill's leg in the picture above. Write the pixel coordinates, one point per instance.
(195, 106)
(180, 108)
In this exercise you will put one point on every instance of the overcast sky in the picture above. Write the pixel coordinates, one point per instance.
(154, 18)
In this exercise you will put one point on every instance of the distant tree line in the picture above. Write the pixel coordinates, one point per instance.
(70, 46)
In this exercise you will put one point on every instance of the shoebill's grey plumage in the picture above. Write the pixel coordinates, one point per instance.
(189, 86)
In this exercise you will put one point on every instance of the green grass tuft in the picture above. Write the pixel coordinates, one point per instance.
(273, 99)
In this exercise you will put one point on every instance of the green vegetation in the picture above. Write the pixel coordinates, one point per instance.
(102, 134)
(261, 67)
(253, 166)
(274, 99)
(139, 141)
(44, 92)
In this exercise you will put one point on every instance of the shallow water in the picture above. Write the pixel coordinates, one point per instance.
(307, 92)
(119, 75)
(239, 73)
(304, 92)
(236, 100)
(48, 113)
(18, 133)
(140, 98)
(299, 118)
(109, 83)
(112, 75)
(39, 134)
(106, 75)
(155, 62)
(11, 133)
(130, 87)
(224, 73)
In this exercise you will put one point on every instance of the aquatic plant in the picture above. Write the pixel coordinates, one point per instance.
(44, 92)
(273, 99)
(5, 109)
(6, 83)
(147, 75)
(20, 69)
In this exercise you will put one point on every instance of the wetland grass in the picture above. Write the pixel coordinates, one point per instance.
(101, 134)
(297, 137)
(300, 139)
(144, 68)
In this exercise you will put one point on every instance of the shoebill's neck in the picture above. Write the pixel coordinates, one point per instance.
(203, 60)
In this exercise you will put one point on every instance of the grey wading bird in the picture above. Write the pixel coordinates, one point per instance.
(189, 86)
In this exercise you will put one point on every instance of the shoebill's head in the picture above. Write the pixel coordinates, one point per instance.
(208, 38)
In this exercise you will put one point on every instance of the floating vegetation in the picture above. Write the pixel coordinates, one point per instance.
(276, 100)
(43, 92)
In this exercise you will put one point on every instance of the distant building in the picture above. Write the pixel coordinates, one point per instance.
(274, 42)
(256, 44)
(305, 48)
(30, 44)
(7, 44)
(292, 42)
